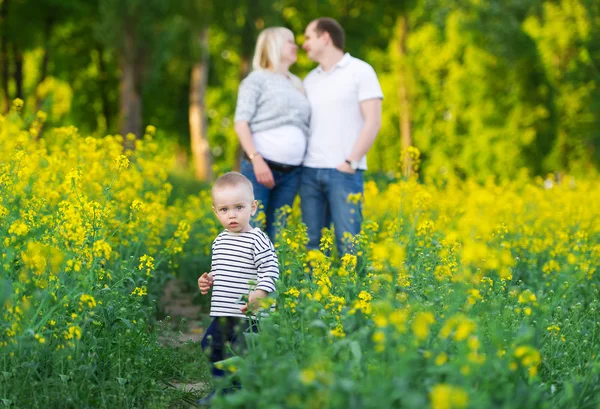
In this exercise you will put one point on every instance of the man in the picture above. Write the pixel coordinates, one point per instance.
(345, 98)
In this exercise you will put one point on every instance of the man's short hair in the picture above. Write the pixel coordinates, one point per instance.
(335, 30)
(232, 179)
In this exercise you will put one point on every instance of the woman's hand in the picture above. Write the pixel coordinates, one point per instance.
(263, 172)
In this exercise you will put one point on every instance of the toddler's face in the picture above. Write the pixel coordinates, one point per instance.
(234, 205)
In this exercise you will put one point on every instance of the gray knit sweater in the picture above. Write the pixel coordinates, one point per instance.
(269, 100)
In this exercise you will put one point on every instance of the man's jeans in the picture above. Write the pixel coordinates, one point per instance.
(324, 199)
(283, 193)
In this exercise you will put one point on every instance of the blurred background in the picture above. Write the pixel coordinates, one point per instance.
(481, 87)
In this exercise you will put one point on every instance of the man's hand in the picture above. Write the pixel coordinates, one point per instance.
(263, 172)
(253, 300)
(345, 168)
(205, 282)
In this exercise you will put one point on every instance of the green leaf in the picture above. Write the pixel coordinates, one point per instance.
(5, 291)
(125, 321)
(356, 351)
(230, 364)
(318, 324)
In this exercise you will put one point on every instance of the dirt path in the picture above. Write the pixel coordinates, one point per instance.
(177, 303)
(185, 324)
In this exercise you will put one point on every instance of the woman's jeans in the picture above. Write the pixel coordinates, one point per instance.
(282, 194)
(324, 199)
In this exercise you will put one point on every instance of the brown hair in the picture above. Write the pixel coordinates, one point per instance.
(232, 179)
(333, 28)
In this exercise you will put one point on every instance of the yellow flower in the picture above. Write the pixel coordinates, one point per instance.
(464, 329)
(460, 325)
(442, 272)
(529, 358)
(87, 299)
(378, 338)
(474, 296)
(73, 332)
(551, 267)
(102, 249)
(389, 252)
(137, 206)
(553, 328)
(349, 262)
(293, 291)
(307, 376)
(338, 331)
(150, 130)
(121, 162)
(364, 296)
(146, 262)
(18, 228)
(327, 239)
(444, 396)
(380, 321)
(398, 319)
(17, 104)
(441, 359)
(354, 198)
(73, 176)
(421, 323)
(140, 291)
(3, 211)
(527, 297)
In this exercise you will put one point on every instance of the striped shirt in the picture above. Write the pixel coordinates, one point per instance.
(241, 263)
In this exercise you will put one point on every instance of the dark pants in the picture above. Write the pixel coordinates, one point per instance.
(222, 334)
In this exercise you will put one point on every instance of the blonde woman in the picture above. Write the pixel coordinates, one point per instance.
(272, 119)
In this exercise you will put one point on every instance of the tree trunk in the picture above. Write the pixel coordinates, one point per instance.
(249, 36)
(244, 71)
(130, 98)
(4, 56)
(18, 75)
(103, 85)
(404, 94)
(248, 42)
(45, 58)
(197, 112)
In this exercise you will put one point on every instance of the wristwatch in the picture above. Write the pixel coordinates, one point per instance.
(353, 163)
(253, 155)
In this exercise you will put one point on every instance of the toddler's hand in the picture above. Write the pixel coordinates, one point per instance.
(253, 300)
(204, 283)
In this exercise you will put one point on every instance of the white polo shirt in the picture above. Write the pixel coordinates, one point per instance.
(336, 120)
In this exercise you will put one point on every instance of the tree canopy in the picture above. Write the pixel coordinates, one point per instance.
(481, 88)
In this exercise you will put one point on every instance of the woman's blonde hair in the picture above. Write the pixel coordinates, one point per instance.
(267, 55)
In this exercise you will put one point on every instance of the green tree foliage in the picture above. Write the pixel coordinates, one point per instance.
(492, 87)
(567, 34)
(481, 103)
